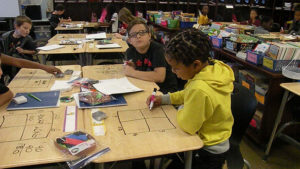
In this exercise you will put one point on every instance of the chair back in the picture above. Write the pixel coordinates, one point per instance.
(243, 107)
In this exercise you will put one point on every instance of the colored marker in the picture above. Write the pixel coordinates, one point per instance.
(152, 98)
(33, 96)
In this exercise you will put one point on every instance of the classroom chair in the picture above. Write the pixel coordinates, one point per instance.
(243, 107)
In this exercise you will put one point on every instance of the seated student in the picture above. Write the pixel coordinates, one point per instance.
(18, 43)
(266, 26)
(125, 16)
(205, 101)
(253, 18)
(112, 17)
(5, 94)
(203, 18)
(146, 58)
(295, 26)
(57, 17)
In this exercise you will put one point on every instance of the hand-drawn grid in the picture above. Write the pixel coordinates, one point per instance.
(32, 79)
(26, 126)
(144, 120)
(108, 70)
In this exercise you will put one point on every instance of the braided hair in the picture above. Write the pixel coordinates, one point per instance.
(188, 46)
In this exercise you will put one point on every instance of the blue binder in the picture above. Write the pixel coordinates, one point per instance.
(49, 99)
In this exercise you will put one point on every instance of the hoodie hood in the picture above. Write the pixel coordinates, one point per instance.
(218, 76)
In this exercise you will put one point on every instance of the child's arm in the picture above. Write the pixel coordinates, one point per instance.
(23, 63)
(6, 96)
(24, 51)
(157, 75)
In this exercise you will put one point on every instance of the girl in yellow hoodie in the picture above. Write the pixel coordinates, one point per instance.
(205, 101)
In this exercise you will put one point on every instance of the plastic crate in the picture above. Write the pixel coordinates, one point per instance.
(216, 42)
(173, 23)
(187, 24)
(276, 65)
(255, 58)
(236, 47)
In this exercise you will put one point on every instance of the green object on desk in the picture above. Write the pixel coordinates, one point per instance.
(33, 96)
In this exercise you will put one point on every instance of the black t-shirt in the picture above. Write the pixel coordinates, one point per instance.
(23, 42)
(54, 21)
(3, 88)
(152, 59)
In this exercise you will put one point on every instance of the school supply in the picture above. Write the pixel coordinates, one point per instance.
(118, 100)
(152, 98)
(96, 36)
(94, 98)
(108, 46)
(33, 96)
(116, 86)
(50, 47)
(104, 42)
(70, 123)
(20, 100)
(98, 122)
(61, 85)
(47, 99)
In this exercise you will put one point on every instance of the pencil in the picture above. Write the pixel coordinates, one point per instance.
(33, 96)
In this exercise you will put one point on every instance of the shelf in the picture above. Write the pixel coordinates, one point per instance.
(260, 69)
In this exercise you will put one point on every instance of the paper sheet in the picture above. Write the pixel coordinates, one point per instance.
(116, 86)
(96, 36)
(70, 123)
(108, 46)
(50, 47)
(61, 85)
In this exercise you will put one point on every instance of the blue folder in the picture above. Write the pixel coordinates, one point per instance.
(120, 101)
(49, 99)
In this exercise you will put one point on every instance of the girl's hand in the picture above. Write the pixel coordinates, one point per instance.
(156, 100)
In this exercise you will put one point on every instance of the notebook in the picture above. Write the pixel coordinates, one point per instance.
(48, 99)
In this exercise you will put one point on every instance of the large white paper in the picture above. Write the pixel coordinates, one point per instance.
(96, 36)
(50, 47)
(108, 46)
(70, 119)
(116, 86)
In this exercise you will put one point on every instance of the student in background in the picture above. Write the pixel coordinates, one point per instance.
(205, 106)
(5, 94)
(146, 58)
(18, 43)
(203, 18)
(112, 17)
(266, 26)
(57, 17)
(125, 16)
(295, 26)
(253, 18)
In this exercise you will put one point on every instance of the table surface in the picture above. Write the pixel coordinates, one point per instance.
(292, 87)
(133, 131)
(27, 136)
(91, 48)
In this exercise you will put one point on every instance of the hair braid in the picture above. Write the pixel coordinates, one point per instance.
(188, 46)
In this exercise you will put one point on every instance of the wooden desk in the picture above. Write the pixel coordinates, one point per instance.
(27, 136)
(58, 37)
(133, 131)
(72, 27)
(289, 88)
(91, 49)
(67, 49)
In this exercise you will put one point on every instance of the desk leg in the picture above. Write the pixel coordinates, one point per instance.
(89, 57)
(82, 59)
(188, 159)
(99, 165)
(44, 59)
(277, 121)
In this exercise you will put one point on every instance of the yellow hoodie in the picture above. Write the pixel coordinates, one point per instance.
(207, 104)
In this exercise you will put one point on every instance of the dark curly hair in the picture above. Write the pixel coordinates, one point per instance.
(188, 46)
